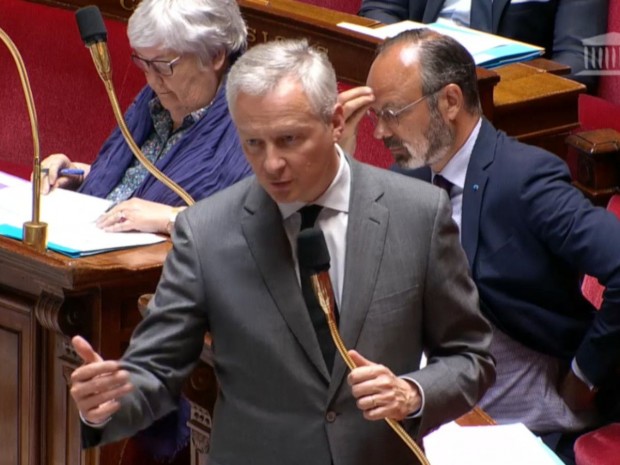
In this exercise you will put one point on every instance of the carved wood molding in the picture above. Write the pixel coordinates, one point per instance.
(200, 425)
(48, 310)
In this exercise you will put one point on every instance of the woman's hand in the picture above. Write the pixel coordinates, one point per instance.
(50, 177)
(137, 215)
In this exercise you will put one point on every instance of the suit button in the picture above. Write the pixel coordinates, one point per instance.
(331, 416)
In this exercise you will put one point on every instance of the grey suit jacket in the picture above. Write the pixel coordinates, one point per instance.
(231, 272)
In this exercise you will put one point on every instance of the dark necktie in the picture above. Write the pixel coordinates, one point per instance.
(480, 16)
(442, 182)
(309, 213)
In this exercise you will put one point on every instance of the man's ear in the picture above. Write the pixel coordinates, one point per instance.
(453, 101)
(338, 121)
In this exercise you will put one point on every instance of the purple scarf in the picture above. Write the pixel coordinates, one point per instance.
(205, 160)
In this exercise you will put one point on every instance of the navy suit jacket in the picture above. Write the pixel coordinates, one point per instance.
(529, 235)
(557, 25)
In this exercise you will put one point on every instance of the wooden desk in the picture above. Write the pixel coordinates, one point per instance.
(44, 299)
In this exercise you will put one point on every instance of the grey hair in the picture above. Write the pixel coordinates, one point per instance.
(264, 66)
(203, 28)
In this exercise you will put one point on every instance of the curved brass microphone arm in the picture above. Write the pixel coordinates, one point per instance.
(325, 294)
(34, 232)
(101, 59)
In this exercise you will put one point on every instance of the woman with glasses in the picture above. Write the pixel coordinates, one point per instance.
(180, 119)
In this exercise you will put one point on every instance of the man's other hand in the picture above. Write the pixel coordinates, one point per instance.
(97, 385)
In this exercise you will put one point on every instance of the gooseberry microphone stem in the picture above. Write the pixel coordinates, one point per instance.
(34, 231)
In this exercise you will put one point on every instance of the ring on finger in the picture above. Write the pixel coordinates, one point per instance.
(121, 216)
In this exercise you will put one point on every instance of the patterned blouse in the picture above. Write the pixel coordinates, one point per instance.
(156, 146)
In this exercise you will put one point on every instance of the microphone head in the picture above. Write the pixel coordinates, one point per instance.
(312, 252)
(90, 23)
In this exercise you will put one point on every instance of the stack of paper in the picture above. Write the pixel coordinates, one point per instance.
(70, 217)
(487, 445)
(488, 50)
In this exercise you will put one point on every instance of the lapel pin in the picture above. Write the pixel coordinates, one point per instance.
(475, 187)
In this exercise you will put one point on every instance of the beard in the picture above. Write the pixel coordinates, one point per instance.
(429, 149)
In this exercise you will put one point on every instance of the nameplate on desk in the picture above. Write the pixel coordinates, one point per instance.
(70, 217)
(488, 50)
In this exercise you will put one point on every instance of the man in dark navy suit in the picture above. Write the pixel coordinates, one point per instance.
(527, 232)
(557, 25)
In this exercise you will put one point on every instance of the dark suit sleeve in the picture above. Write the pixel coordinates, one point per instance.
(576, 20)
(586, 238)
(456, 335)
(388, 11)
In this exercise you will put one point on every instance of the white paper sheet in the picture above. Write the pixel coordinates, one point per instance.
(70, 217)
(487, 445)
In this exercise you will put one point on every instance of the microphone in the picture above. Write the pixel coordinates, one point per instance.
(94, 34)
(95, 37)
(314, 255)
(34, 232)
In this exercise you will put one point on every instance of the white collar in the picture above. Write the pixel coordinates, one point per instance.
(336, 196)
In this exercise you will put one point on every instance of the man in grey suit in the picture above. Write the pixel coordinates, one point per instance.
(399, 275)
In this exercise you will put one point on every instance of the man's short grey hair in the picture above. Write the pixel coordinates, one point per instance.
(264, 66)
(203, 28)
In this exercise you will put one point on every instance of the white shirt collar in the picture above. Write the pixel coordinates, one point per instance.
(456, 169)
(337, 195)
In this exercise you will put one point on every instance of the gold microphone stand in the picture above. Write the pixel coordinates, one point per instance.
(34, 232)
(325, 294)
(101, 58)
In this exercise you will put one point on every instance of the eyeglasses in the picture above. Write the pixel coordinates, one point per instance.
(161, 67)
(389, 116)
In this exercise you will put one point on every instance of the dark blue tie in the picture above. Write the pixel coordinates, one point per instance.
(309, 214)
(442, 182)
(481, 17)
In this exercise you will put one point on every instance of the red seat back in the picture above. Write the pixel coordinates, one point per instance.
(591, 288)
(609, 86)
(74, 113)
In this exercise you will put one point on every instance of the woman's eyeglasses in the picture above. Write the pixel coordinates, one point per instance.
(161, 67)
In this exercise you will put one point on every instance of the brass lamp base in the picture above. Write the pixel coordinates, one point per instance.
(35, 235)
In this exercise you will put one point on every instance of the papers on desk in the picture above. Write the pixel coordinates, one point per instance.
(487, 445)
(488, 50)
(70, 217)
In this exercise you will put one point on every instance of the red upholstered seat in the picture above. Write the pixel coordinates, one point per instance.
(347, 6)
(74, 114)
(600, 447)
(609, 86)
(591, 289)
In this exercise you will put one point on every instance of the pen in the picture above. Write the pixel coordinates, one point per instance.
(71, 172)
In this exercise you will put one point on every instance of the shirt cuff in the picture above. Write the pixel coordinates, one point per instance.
(579, 374)
(418, 413)
(94, 425)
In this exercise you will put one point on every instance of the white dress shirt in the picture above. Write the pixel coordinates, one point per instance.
(333, 220)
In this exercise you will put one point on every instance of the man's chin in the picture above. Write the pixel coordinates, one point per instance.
(404, 159)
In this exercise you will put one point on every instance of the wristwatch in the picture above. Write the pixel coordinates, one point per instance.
(172, 218)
